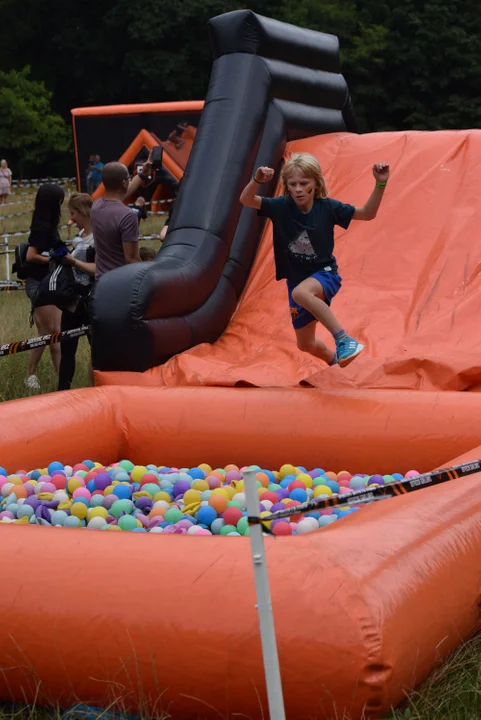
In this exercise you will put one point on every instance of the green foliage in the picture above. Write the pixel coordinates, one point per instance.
(28, 127)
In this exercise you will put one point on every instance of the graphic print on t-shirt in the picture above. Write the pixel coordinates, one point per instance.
(301, 248)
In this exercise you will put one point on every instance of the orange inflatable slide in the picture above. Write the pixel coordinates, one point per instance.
(365, 608)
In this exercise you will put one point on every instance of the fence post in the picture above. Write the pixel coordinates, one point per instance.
(264, 606)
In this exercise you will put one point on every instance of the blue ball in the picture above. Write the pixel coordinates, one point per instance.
(298, 494)
(89, 464)
(164, 524)
(314, 514)
(123, 492)
(270, 475)
(206, 515)
(333, 485)
(286, 481)
(302, 469)
(190, 519)
(34, 475)
(139, 530)
(59, 517)
(217, 526)
(72, 521)
(122, 476)
(82, 500)
(91, 486)
(196, 473)
(55, 465)
(4, 472)
(321, 472)
(398, 476)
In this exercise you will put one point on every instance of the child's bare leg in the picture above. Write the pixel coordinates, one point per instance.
(307, 342)
(310, 295)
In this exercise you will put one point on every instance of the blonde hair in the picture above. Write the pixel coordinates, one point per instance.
(81, 202)
(3, 164)
(309, 166)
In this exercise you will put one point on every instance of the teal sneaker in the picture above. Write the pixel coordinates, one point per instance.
(347, 350)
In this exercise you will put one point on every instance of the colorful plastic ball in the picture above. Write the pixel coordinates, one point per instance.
(59, 517)
(127, 522)
(217, 526)
(4, 472)
(123, 492)
(298, 494)
(346, 491)
(25, 511)
(357, 482)
(411, 474)
(388, 479)
(375, 480)
(218, 502)
(55, 465)
(242, 525)
(72, 521)
(181, 487)
(281, 527)
(97, 523)
(226, 529)
(79, 510)
(232, 516)
(287, 470)
(173, 515)
(138, 472)
(307, 525)
(326, 520)
(306, 479)
(73, 483)
(397, 476)
(322, 490)
(98, 512)
(196, 473)
(121, 506)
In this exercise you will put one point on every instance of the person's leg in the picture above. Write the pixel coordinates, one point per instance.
(47, 320)
(310, 294)
(68, 349)
(307, 342)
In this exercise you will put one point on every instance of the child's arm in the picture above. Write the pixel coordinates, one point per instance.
(249, 198)
(369, 211)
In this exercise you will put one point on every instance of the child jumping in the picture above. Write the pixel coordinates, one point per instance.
(303, 223)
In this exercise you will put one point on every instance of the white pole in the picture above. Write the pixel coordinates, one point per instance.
(264, 606)
(7, 263)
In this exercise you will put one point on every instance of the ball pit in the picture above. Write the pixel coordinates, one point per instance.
(161, 499)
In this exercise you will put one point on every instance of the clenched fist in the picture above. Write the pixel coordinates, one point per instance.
(381, 172)
(263, 174)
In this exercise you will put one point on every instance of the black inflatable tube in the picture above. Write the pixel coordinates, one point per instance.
(145, 313)
(244, 31)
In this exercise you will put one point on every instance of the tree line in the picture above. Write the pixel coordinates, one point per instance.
(409, 65)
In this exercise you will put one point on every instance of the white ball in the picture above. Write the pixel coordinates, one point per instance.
(162, 504)
(307, 525)
(157, 530)
(6, 489)
(240, 498)
(96, 523)
(267, 504)
(68, 470)
(60, 495)
(192, 530)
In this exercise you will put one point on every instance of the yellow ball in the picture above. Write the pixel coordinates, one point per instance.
(287, 470)
(109, 490)
(15, 480)
(264, 514)
(65, 505)
(231, 491)
(97, 465)
(305, 478)
(139, 524)
(221, 491)
(73, 483)
(284, 501)
(192, 496)
(45, 496)
(238, 486)
(31, 482)
(97, 512)
(114, 527)
(162, 496)
(200, 485)
(206, 468)
(322, 490)
(79, 510)
(138, 473)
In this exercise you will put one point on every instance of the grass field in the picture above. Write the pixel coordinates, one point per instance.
(15, 306)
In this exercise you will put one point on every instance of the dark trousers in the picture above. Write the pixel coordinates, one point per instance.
(68, 347)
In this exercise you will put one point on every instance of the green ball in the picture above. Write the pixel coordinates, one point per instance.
(319, 481)
(81, 473)
(151, 488)
(388, 478)
(121, 506)
(221, 470)
(227, 529)
(274, 487)
(173, 515)
(234, 503)
(254, 467)
(126, 465)
(243, 525)
(127, 522)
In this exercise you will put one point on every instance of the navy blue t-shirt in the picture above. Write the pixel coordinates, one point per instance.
(304, 242)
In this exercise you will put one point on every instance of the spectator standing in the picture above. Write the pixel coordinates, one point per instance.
(115, 227)
(5, 181)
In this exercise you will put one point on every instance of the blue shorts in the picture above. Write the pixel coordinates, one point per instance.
(331, 284)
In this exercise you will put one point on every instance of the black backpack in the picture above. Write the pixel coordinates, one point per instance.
(21, 266)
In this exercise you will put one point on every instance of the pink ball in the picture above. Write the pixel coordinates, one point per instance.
(213, 482)
(48, 487)
(327, 511)
(7, 514)
(411, 474)
(3, 480)
(184, 524)
(232, 475)
(200, 531)
(82, 492)
(30, 489)
(109, 501)
(344, 490)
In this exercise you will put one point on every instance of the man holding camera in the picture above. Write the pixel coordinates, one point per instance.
(115, 227)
